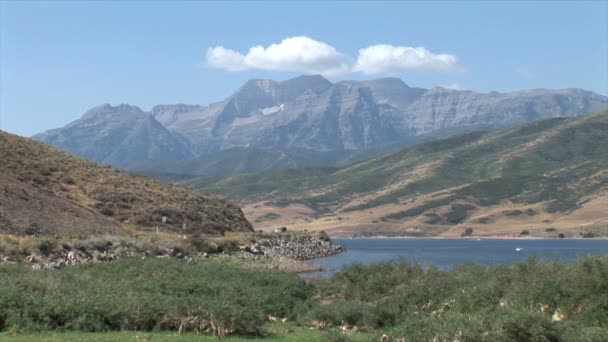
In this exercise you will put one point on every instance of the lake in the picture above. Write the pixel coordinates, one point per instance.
(444, 253)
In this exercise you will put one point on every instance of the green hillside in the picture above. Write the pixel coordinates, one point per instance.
(558, 163)
(245, 160)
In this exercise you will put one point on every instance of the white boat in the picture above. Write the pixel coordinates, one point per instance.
(519, 249)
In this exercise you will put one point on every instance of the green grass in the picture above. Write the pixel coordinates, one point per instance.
(276, 332)
(134, 294)
(472, 302)
(154, 299)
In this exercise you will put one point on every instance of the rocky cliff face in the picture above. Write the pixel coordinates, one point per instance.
(306, 112)
(441, 108)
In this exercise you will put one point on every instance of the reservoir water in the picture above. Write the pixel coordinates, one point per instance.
(445, 253)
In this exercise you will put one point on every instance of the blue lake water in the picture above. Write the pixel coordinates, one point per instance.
(445, 253)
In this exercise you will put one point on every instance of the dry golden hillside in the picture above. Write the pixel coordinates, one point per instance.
(546, 178)
(45, 191)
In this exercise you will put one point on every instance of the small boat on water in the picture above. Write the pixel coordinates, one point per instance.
(519, 249)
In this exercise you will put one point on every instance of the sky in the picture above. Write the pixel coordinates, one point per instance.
(59, 59)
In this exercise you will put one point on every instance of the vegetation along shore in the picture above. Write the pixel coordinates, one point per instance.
(168, 299)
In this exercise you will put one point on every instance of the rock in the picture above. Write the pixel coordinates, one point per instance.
(298, 246)
(558, 316)
(320, 324)
(31, 259)
(7, 259)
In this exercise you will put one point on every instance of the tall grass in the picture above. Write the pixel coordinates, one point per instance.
(528, 301)
(146, 295)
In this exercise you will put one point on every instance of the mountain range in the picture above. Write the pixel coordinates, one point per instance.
(306, 116)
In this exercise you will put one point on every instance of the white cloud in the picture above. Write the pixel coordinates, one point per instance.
(453, 86)
(295, 54)
(389, 59)
(524, 74)
(306, 55)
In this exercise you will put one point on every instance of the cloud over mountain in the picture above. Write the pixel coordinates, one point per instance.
(294, 54)
(306, 55)
(389, 59)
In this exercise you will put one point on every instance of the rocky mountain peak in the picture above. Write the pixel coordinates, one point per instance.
(307, 112)
(105, 110)
(264, 86)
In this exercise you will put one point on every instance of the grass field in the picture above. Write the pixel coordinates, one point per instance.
(156, 299)
(277, 332)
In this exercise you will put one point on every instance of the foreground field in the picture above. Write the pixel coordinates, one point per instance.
(159, 299)
(280, 332)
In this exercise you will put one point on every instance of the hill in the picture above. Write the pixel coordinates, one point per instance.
(306, 113)
(542, 178)
(46, 192)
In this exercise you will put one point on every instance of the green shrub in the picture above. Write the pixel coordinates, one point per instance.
(134, 294)
(470, 302)
(467, 232)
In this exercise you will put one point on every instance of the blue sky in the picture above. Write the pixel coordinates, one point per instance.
(58, 59)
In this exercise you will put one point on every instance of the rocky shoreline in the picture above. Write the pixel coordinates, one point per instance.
(281, 251)
(298, 246)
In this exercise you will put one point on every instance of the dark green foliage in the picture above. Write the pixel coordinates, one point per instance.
(449, 143)
(467, 303)
(146, 295)
(484, 220)
(467, 232)
(515, 212)
(471, 302)
(432, 218)
(458, 212)
(268, 217)
(416, 211)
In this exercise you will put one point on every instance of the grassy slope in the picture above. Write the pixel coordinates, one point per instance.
(241, 160)
(46, 191)
(245, 160)
(555, 164)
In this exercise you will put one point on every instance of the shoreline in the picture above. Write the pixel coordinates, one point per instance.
(494, 237)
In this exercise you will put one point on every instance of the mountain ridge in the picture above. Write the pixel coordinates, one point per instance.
(306, 112)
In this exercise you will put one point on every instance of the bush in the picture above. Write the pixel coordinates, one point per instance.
(107, 211)
(68, 180)
(467, 232)
(146, 295)
(469, 302)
